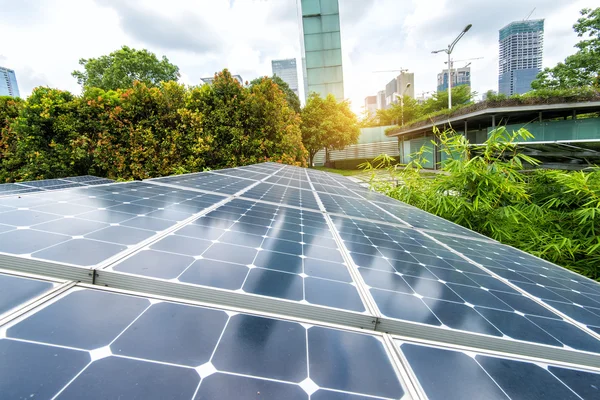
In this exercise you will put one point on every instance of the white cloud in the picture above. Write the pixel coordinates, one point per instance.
(204, 36)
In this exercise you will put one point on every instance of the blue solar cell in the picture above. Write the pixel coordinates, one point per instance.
(27, 241)
(31, 370)
(81, 252)
(213, 273)
(585, 384)
(156, 264)
(462, 317)
(365, 369)
(253, 346)
(196, 332)
(450, 375)
(274, 284)
(160, 381)
(17, 290)
(332, 294)
(100, 318)
(224, 386)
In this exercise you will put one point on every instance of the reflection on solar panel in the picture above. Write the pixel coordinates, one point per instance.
(51, 184)
(276, 282)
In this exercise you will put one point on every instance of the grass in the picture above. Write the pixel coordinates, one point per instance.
(345, 172)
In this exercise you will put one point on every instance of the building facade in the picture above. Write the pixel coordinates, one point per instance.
(287, 71)
(8, 83)
(460, 76)
(520, 59)
(381, 100)
(321, 47)
(403, 83)
(371, 104)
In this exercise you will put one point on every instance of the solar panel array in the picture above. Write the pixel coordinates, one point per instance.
(277, 282)
(50, 184)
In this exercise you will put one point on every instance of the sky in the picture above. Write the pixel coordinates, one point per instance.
(43, 40)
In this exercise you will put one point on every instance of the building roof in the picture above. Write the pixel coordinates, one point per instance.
(523, 112)
(272, 280)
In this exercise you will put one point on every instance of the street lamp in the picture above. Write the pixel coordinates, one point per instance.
(449, 52)
(402, 101)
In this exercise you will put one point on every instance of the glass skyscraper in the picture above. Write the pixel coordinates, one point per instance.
(520, 59)
(8, 83)
(286, 70)
(322, 48)
(460, 76)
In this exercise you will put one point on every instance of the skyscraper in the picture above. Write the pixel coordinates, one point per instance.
(321, 48)
(520, 59)
(460, 76)
(8, 83)
(286, 70)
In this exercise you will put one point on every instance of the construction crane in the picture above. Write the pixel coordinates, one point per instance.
(466, 59)
(527, 17)
(401, 70)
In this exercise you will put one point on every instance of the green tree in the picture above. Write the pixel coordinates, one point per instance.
(10, 108)
(121, 68)
(461, 95)
(393, 115)
(327, 123)
(583, 67)
(291, 97)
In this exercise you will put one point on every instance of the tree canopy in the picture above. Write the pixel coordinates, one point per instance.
(583, 67)
(291, 97)
(121, 68)
(327, 123)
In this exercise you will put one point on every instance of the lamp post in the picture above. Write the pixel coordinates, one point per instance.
(449, 52)
(402, 101)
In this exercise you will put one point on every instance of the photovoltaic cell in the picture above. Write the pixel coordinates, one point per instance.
(16, 290)
(158, 350)
(452, 374)
(256, 248)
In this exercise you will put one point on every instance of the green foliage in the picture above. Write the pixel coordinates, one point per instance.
(552, 214)
(461, 95)
(145, 131)
(291, 97)
(327, 123)
(581, 68)
(121, 68)
(393, 115)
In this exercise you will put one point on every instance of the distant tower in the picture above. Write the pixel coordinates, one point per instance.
(286, 70)
(8, 83)
(460, 76)
(321, 48)
(520, 59)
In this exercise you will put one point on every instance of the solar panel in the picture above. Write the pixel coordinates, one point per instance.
(51, 184)
(154, 349)
(453, 374)
(272, 281)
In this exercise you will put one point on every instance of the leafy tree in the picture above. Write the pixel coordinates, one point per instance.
(291, 97)
(327, 123)
(121, 68)
(583, 67)
(461, 95)
(10, 108)
(393, 115)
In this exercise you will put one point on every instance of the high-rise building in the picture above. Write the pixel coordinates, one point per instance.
(520, 59)
(381, 100)
(8, 83)
(286, 70)
(321, 48)
(210, 80)
(403, 83)
(460, 76)
(371, 104)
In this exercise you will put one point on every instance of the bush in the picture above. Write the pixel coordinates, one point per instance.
(143, 132)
